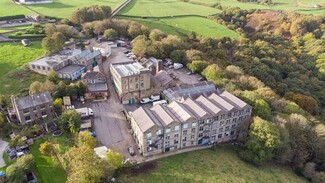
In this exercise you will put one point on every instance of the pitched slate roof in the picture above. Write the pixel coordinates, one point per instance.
(33, 100)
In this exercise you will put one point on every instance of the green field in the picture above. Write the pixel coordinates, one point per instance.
(159, 8)
(9, 8)
(183, 26)
(13, 78)
(64, 8)
(47, 169)
(218, 166)
(300, 6)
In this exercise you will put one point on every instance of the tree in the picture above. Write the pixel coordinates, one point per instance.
(307, 103)
(50, 29)
(70, 120)
(319, 177)
(262, 109)
(197, 65)
(178, 56)
(59, 40)
(36, 87)
(48, 86)
(84, 166)
(47, 148)
(3, 120)
(309, 170)
(3, 101)
(58, 104)
(15, 172)
(156, 35)
(53, 76)
(139, 45)
(110, 34)
(114, 159)
(212, 73)
(263, 139)
(85, 138)
(320, 63)
(48, 44)
(81, 88)
(134, 30)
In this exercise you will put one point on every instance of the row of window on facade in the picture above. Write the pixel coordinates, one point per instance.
(43, 113)
(41, 67)
(35, 109)
(201, 127)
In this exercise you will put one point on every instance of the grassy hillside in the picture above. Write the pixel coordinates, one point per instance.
(14, 55)
(207, 165)
(9, 8)
(183, 26)
(300, 6)
(158, 8)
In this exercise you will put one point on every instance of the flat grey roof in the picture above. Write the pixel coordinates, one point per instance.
(55, 59)
(97, 87)
(128, 68)
(33, 100)
(70, 69)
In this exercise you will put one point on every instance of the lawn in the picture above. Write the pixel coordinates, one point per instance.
(47, 169)
(159, 8)
(207, 165)
(9, 8)
(13, 77)
(300, 6)
(183, 26)
(64, 8)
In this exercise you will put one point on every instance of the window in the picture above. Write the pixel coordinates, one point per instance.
(193, 130)
(142, 85)
(175, 142)
(220, 130)
(185, 126)
(214, 131)
(148, 134)
(136, 79)
(27, 118)
(215, 118)
(43, 113)
(200, 135)
(222, 116)
(184, 144)
(193, 124)
(149, 149)
(177, 128)
(214, 125)
(234, 120)
(158, 132)
(219, 136)
(221, 123)
(201, 128)
(213, 137)
(236, 113)
(167, 130)
(176, 135)
(184, 138)
(192, 142)
(26, 111)
(209, 121)
(227, 128)
(232, 132)
(167, 137)
(38, 67)
(241, 112)
(248, 110)
(233, 126)
(184, 132)
(229, 115)
(227, 122)
(240, 118)
(201, 122)
(137, 86)
(226, 134)
(192, 137)
(166, 143)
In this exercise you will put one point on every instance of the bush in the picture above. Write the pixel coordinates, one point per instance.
(11, 17)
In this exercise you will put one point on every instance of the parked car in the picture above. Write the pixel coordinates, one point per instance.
(131, 150)
(190, 73)
(127, 52)
(178, 66)
(163, 102)
(145, 100)
(154, 97)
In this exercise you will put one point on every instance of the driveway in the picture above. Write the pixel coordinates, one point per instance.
(3, 145)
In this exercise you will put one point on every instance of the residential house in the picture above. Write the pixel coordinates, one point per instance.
(104, 48)
(131, 81)
(218, 117)
(96, 85)
(33, 107)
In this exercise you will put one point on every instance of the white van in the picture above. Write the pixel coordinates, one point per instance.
(163, 102)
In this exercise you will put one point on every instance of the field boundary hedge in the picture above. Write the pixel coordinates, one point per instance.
(12, 17)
